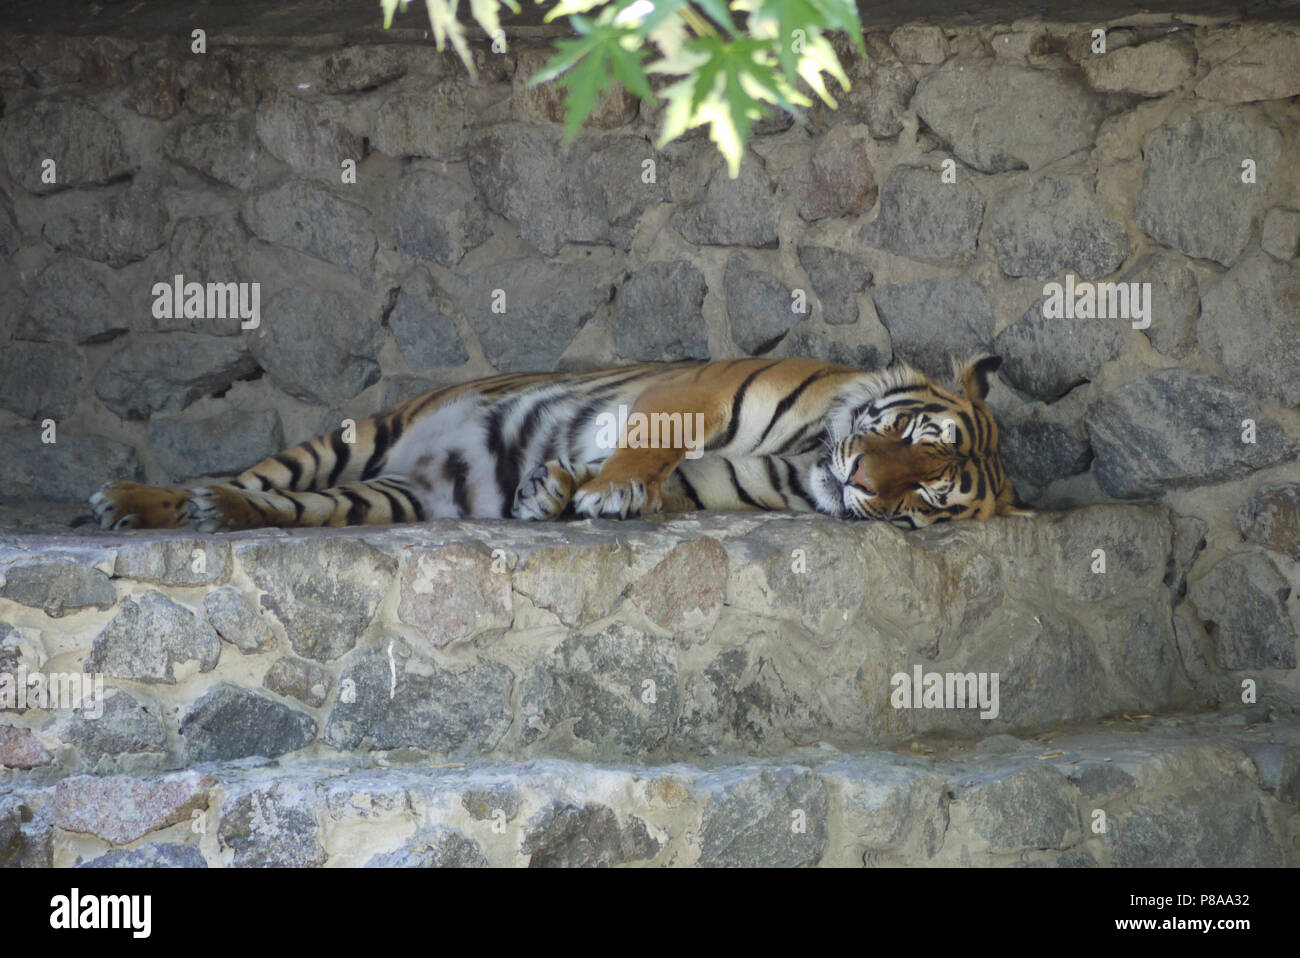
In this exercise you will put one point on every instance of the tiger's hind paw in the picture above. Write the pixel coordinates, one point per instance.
(133, 505)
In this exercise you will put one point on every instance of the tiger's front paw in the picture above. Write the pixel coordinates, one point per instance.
(617, 499)
(544, 493)
(223, 508)
(134, 505)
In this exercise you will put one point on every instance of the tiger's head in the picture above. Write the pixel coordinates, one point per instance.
(902, 449)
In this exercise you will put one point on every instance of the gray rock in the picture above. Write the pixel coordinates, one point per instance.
(1174, 301)
(881, 89)
(543, 304)
(1053, 224)
(224, 444)
(356, 67)
(1251, 324)
(58, 588)
(760, 309)
(68, 305)
(324, 591)
(923, 218)
(1211, 819)
(272, 827)
(837, 279)
(231, 723)
(143, 378)
(1042, 452)
(125, 727)
(1189, 540)
(318, 345)
(1031, 808)
(422, 117)
(454, 594)
(122, 808)
(619, 689)
(1048, 357)
(659, 314)
(221, 148)
(315, 220)
(455, 714)
(1192, 196)
(1177, 428)
(1280, 236)
(166, 855)
(436, 847)
(310, 135)
(840, 180)
(307, 682)
(179, 562)
(118, 228)
(620, 167)
(1271, 518)
(87, 147)
(919, 43)
(545, 102)
(436, 218)
(1150, 69)
(934, 319)
(1242, 602)
(833, 348)
(203, 251)
(764, 818)
(739, 212)
(69, 470)
(425, 335)
(238, 621)
(562, 835)
(999, 116)
(523, 173)
(148, 637)
(1261, 68)
(888, 808)
(10, 236)
(484, 803)
(39, 380)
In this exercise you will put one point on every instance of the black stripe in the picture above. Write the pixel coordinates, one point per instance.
(342, 453)
(374, 465)
(736, 404)
(689, 489)
(775, 477)
(793, 444)
(795, 483)
(745, 497)
(395, 507)
(456, 471)
(788, 402)
(315, 462)
(295, 470)
(507, 468)
(360, 507)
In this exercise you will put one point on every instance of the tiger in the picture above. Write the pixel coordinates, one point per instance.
(793, 434)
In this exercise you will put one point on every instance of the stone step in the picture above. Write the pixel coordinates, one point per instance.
(1210, 790)
(656, 641)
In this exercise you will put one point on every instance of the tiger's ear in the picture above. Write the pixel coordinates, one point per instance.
(975, 377)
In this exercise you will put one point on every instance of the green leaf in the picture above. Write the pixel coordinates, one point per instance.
(445, 26)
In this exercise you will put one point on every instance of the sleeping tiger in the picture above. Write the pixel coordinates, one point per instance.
(781, 434)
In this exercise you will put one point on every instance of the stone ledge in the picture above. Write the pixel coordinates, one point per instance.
(1211, 790)
(656, 641)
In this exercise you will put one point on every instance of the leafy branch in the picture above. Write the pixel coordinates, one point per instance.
(728, 62)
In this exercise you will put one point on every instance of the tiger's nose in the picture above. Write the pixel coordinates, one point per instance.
(859, 475)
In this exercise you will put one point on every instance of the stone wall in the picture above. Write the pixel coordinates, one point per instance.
(970, 167)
